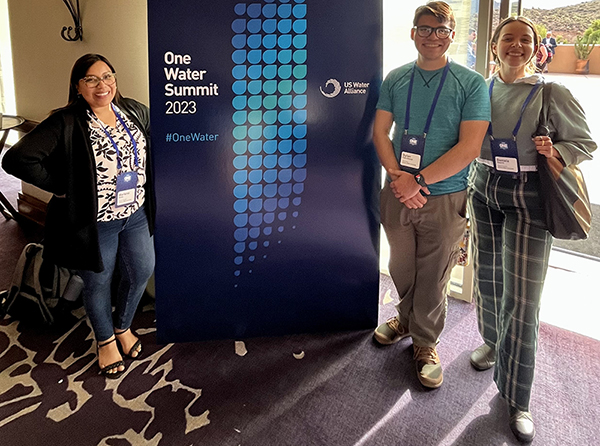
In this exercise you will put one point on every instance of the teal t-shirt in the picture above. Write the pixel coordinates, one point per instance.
(464, 97)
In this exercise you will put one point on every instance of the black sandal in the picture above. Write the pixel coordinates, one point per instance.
(106, 370)
(134, 348)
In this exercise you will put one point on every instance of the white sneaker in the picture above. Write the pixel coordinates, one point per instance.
(521, 424)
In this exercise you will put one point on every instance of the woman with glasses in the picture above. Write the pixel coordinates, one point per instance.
(93, 156)
(510, 238)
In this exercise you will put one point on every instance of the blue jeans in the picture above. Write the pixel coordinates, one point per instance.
(127, 240)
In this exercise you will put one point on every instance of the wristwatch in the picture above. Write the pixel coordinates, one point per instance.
(420, 179)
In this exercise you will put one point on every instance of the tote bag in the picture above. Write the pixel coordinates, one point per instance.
(563, 192)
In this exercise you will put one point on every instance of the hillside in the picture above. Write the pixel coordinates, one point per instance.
(568, 21)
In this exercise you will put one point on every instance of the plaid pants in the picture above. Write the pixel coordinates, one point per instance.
(510, 258)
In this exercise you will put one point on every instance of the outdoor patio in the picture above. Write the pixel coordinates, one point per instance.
(570, 297)
(585, 88)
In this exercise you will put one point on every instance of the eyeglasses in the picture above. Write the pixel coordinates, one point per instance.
(93, 81)
(441, 32)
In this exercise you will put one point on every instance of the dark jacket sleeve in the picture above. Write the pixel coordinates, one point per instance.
(139, 112)
(37, 158)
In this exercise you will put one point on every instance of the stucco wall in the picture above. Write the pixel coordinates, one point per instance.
(42, 60)
(564, 60)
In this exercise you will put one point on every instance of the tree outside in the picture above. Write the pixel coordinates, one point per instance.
(567, 22)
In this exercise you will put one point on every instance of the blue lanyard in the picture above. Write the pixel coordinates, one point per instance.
(433, 105)
(527, 100)
(135, 152)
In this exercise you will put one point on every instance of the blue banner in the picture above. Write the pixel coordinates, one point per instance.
(267, 180)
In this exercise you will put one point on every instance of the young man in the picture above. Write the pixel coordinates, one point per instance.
(441, 111)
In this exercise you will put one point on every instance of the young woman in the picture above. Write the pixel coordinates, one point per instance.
(93, 155)
(511, 242)
(541, 59)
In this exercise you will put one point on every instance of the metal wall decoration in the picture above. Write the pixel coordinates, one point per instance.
(77, 29)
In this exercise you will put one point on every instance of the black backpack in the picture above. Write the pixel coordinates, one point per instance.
(40, 292)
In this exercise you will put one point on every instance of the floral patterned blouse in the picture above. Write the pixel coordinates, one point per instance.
(106, 164)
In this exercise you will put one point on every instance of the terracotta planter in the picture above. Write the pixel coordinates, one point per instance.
(582, 66)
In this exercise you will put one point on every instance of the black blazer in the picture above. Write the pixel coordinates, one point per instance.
(57, 157)
(550, 43)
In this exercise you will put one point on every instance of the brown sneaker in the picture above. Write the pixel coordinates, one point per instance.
(390, 332)
(429, 368)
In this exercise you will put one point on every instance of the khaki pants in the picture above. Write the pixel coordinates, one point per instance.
(424, 247)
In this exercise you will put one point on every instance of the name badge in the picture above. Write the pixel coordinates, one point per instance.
(505, 155)
(412, 148)
(126, 189)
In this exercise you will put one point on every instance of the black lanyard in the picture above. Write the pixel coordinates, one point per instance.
(433, 105)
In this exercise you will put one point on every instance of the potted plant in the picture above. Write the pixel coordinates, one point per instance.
(583, 47)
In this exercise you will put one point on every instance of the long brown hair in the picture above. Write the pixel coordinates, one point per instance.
(530, 67)
(78, 72)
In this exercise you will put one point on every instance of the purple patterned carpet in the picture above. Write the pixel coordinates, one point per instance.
(345, 391)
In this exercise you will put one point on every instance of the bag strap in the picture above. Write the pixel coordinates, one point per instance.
(36, 267)
(17, 280)
(61, 279)
(26, 274)
(23, 264)
(17, 277)
(34, 278)
(545, 111)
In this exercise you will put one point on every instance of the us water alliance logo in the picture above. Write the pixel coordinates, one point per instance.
(333, 88)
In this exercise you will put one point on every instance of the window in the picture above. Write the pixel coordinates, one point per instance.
(7, 89)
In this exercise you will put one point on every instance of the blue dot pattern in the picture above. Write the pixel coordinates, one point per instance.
(269, 52)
